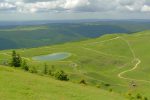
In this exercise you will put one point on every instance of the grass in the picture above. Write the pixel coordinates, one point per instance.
(99, 61)
(16, 84)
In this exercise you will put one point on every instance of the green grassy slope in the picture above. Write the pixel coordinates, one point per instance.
(117, 59)
(19, 85)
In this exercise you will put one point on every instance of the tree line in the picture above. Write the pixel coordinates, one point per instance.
(17, 61)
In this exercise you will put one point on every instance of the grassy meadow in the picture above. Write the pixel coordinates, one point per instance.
(120, 61)
(18, 85)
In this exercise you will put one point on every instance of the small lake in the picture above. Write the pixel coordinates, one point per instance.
(52, 57)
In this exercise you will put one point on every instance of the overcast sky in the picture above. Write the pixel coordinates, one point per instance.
(74, 9)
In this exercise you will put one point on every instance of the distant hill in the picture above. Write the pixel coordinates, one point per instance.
(35, 34)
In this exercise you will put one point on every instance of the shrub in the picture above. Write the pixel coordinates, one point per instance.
(25, 66)
(83, 82)
(110, 90)
(98, 86)
(129, 94)
(33, 70)
(61, 75)
(145, 98)
(107, 84)
(51, 71)
(138, 96)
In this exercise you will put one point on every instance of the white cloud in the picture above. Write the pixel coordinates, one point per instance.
(72, 4)
(26, 6)
(38, 6)
(6, 5)
(145, 8)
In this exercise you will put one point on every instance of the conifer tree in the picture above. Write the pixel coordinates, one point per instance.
(45, 70)
(16, 59)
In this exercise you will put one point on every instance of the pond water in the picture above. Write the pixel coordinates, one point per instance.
(52, 57)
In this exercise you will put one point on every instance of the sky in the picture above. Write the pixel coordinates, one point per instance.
(73, 9)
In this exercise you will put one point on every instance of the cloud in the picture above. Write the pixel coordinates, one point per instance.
(5, 5)
(37, 6)
(74, 4)
(33, 6)
(145, 8)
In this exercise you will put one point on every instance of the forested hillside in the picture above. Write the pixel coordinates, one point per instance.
(48, 34)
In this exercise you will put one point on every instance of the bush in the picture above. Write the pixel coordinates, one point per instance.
(83, 82)
(60, 75)
(25, 66)
(110, 90)
(129, 94)
(51, 71)
(138, 96)
(98, 86)
(107, 84)
(145, 98)
(33, 70)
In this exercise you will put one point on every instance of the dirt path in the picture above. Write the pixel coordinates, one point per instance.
(138, 62)
(99, 52)
(120, 75)
(96, 51)
(93, 43)
(135, 59)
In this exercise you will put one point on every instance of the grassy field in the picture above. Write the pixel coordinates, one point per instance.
(119, 60)
(19, 85)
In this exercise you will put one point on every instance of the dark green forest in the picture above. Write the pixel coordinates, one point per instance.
(48, 34)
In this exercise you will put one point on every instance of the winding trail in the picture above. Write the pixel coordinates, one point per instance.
(103, 41)
(120, 75)
(106, 54)
(138, 62)
(103, 53)
(135, 59)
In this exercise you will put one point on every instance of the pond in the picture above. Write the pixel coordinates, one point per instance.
(52, 57)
